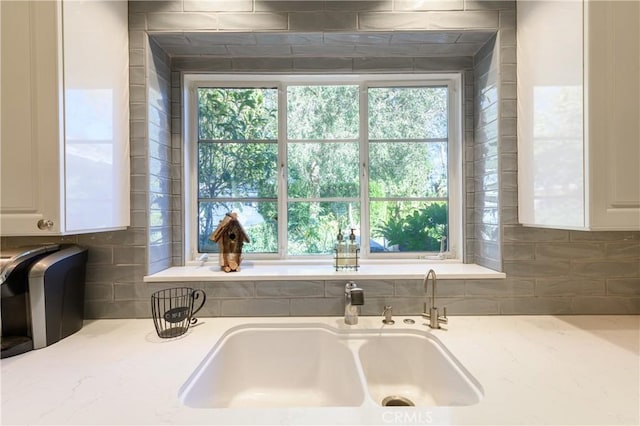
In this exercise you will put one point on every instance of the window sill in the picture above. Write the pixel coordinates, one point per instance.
(254, 270)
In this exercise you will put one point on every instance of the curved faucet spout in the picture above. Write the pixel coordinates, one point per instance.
(430, 275)
(432, 314)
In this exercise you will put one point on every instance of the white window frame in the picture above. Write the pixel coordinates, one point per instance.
(456, 200)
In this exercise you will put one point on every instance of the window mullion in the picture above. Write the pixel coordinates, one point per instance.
(427, 140)
(190, 168)
(455, 170)
(282, 171)
(409, 198)
(364, 171)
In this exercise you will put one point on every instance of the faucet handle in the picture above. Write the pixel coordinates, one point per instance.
(434, 317)
(357, 296)
(426, 313)
(443, 319)
(353, 294)
(387, 313)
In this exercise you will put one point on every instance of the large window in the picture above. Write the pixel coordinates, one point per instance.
(301, 157)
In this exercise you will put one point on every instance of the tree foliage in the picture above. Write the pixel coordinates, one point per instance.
(322, 112)
(407, 112)
(416, 230)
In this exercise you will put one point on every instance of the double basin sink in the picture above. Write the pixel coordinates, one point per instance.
(316, 365)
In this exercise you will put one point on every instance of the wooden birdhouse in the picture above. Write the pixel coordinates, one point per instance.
(230, 237)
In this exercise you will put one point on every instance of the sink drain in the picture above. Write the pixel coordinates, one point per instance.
(397, 401)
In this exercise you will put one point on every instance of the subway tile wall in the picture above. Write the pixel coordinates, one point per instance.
(549, 271)
(160, 159)
(485, 158)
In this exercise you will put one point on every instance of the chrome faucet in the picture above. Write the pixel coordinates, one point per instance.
(353, 299)
(434, 319)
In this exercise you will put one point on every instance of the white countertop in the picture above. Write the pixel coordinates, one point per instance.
(533, 369)
(251, 270)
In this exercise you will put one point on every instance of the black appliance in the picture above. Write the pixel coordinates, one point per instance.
(42, 295)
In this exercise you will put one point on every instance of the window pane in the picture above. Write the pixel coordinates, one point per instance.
(326, 169)
(408, 169)
(409, 226)
(259, 220)
(322, 112)
(407, 112)
(313, 227)
(240, 169)
(237, 114)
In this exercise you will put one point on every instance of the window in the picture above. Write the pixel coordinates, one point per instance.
(301, 157)
(237, 163)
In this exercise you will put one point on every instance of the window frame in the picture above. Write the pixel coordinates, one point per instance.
(455, 169)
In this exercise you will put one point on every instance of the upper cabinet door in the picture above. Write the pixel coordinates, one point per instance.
(578, 114)
(65, 117)
(613, 138)
(550, 114)
(96, 83)
(31, 153)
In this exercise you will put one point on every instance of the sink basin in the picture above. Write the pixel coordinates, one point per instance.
(406, 369)
(286, 366)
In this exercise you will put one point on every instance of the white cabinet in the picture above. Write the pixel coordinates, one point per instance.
(579, 114)
(65, 117)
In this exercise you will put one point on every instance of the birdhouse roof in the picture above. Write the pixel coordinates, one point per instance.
(229, 223)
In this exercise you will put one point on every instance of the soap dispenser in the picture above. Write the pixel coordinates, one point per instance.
(353, 251)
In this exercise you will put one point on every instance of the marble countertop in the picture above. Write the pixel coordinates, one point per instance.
(565, 370)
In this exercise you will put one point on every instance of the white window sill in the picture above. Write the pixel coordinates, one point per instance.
(255, 270)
